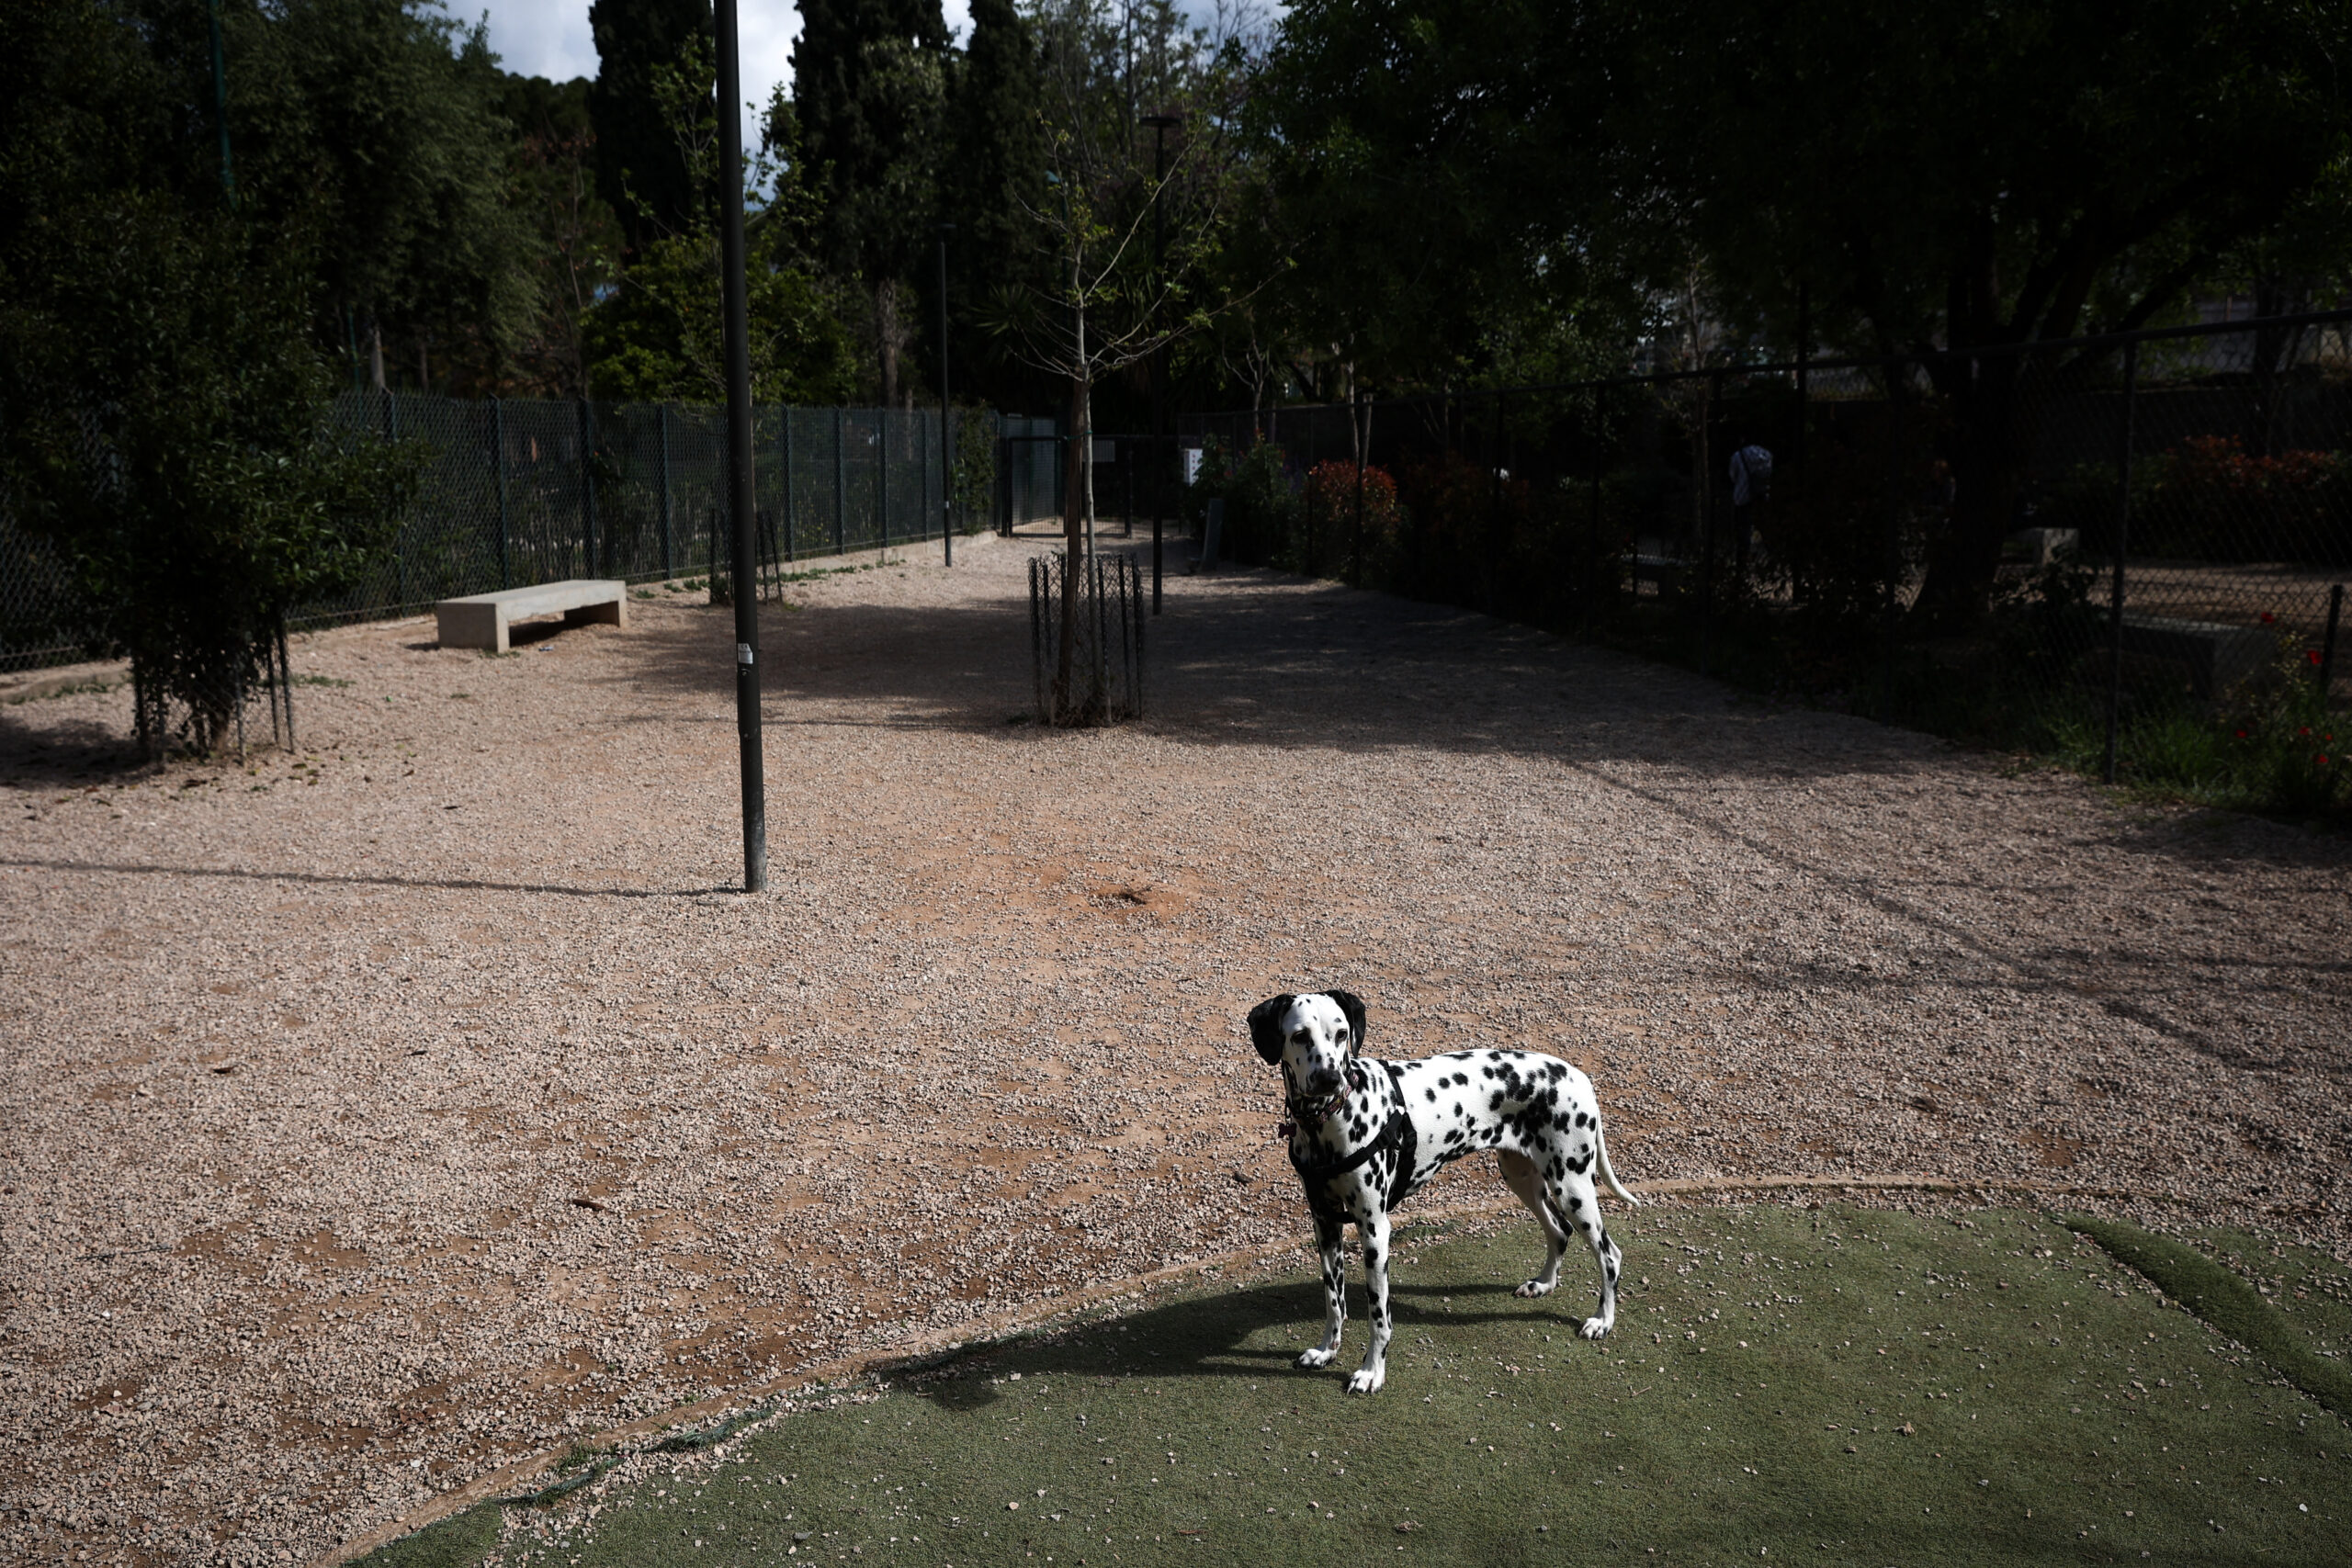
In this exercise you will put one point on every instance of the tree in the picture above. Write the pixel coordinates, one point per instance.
(1426, 173)
(162, 403)
(657, 336)
(1976, 178)
(1106, 299)
(639, 170)
(992, 175)
(374, 129)
(575, 235)
(869, 83)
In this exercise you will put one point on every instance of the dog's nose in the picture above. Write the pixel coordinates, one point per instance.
(1322, 1079)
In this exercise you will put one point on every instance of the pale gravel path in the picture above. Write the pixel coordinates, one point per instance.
(305, 1069)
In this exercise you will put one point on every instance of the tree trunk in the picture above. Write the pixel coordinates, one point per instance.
(1073, 542)
(1963, 562)
(886, 336)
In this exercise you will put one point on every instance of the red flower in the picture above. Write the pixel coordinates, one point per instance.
(2268, 619)
(2321, 759)
(2241, 734)
(2304, 730)
(2310, 656)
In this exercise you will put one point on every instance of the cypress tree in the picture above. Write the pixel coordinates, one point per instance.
(637, 149)
(868, 85)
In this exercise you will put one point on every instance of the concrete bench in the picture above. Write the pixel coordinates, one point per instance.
(2218, 657)
(480, 620)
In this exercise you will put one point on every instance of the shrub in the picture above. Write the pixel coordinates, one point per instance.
(2211, 499)
(1332, 520)
(164, 423)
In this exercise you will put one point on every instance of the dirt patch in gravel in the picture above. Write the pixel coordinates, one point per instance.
(382, 1113)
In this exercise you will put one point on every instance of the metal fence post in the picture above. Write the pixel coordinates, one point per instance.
(588, 486)
(791, 517)
(1891, 591)
(1359, 432)
(1714, 395)
(2122, 543)
(1592, 510)
(498, 470)
(2327, 643)
(663, 410)
(840, 483)
(882, 473)
(400, 540)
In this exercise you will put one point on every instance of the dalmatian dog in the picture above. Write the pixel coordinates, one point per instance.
(1366, 1134)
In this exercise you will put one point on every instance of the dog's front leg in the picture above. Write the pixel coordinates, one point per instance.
(1374, 1370)
(1330, 1240)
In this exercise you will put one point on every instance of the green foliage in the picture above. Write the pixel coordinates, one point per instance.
(642, 173)
(869, 83)
(374, 129)
(658, 336)
(162, 403)
(1433, 171)
(575, 250)
(974, 480)
(177, 454)
(1262, 505)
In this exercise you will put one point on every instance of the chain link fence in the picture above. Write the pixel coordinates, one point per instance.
(520, 492)
(2127, 552)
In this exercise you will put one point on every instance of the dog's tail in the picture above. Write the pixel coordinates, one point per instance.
(1600, 1164)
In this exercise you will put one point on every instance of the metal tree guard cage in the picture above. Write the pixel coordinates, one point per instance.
(1094, 675)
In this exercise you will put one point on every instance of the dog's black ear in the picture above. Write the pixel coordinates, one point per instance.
(1352, 1005)
(1266, 1025)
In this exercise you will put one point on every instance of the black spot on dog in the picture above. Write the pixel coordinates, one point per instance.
(1432, 1094)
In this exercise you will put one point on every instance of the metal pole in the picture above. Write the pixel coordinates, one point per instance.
(840, 483)
(791, 517)
(946, 418)
(221, 108)
(1707, 522)
(1891, 595)
(2122, 543)
(663, 411)
(1359, 431)
(588, 486)
(400, 551)
(498, 468)
(1592, 509)
(882, 473)
(739, 490)
(2327, 643)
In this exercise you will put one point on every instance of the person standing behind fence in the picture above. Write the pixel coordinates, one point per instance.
(1751, 488)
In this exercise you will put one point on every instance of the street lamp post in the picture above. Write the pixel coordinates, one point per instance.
(736, 326)
(1160, 124)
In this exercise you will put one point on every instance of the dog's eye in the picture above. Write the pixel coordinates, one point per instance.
(1341, 1034)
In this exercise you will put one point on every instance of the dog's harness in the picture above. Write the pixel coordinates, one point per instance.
(1316, 1175)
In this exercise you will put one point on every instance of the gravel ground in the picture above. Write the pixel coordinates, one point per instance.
(378, 1114)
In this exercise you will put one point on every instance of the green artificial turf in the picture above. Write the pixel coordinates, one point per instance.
(1834, 1384)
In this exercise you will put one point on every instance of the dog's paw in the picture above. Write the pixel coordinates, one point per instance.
(1535, 1288)
(1367, 1380)
(1318, 1356)
(1594, 1327)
